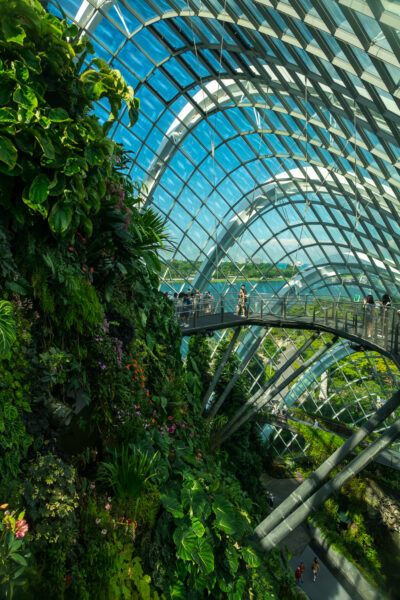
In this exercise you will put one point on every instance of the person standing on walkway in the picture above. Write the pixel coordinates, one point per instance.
(187, 307)
(316, 424)
(297, 575)
(369, 311)
(315, 567)
(271, 500)
(241, 308)
(302, 568)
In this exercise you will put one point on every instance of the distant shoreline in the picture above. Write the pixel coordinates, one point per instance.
(239, 280)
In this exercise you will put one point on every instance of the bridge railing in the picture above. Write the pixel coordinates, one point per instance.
(377, 324)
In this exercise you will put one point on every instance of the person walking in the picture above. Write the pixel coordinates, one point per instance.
(297, 575)
(315, 568)
(271, 500)
(302, 568)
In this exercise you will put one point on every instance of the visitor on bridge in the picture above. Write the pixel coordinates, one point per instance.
(207, 301)
(369, 308)
(297, 575)
(316, 424)
(302, 568)
(241, 307)
(187, 307)
(386, 302)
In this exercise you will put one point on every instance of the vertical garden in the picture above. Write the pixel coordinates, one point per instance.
(107, 488)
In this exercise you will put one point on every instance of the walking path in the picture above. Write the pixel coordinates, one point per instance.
(327, 586)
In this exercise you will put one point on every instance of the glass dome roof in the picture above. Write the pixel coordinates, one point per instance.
(268, 136)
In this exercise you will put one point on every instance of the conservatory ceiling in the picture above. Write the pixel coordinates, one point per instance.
(268, 135)
(269, 131)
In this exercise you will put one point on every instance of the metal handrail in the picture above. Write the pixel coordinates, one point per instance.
(378, 325)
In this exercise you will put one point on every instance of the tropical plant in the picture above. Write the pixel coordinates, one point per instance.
(8, 327)
(13, 555)
(51, 499)
(128, 471)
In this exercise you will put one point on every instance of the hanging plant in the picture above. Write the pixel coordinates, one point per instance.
(55, 156)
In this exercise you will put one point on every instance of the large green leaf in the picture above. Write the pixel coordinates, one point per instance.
(178, 591)
(227, 517)
(94, 155)
(25, 96)
(39, 190)
(8, 152)
(75, 165)
(203, 555)
(18, 558)
(58, 115)
(46, 144)
(20, 70)
(251, 555)
(171, 503)
(185, 540)
(198, 527)
(60, 217)
(236, 589)
(232, 558)
(7, 327)
(12, 30)
(7, 115)
(194, 498)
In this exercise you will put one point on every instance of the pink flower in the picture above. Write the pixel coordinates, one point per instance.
(170, 418)
(21, 528)
(108, 506)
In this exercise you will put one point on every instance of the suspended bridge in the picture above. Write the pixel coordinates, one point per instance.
(377, 329)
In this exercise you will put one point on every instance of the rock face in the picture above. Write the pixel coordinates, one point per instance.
(386, 505)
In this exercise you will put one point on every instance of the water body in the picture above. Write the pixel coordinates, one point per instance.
(267, 287)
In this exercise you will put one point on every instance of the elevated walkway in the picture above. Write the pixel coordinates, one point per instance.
(388, 458)
(376, 330)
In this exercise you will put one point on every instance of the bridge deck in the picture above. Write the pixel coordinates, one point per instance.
(382, 336)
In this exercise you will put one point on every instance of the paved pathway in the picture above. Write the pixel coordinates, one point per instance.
(326, 587)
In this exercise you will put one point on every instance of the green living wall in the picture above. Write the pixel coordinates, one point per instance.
(107, 489)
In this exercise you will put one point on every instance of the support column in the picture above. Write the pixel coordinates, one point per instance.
(218, 372)
(275, 536)
(215, 408)
(300, 495)
(231, 427)
(273, 379)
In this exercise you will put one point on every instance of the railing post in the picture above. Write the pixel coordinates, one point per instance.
(355, 321)
(305, 307)
(284, 307)
(313, 313)
(345, 320)
(222, 310)
(261, 308)
(392, 332)
(195, 316)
